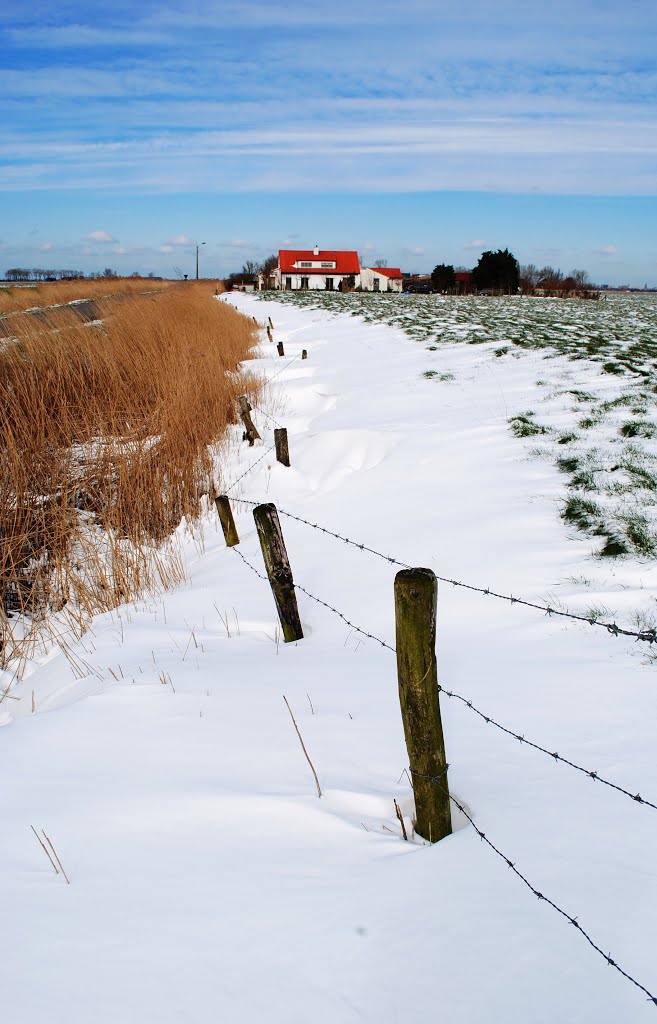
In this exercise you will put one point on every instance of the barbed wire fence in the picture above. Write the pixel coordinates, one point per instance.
(612, 628)
(439, 780)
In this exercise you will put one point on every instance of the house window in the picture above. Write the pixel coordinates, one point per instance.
(376, 284)
(288, 283)
(305, 263)
(304, 283)
(327, 266)
(329, 284)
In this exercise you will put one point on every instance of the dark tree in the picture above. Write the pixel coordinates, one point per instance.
(267, 268)
(443, 277)
(498, 271)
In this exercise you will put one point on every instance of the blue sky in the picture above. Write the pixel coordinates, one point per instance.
(420, 132)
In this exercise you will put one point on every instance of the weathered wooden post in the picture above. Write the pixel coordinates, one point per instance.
(278, 570)
(304, 354)
(282, 450)
(271, 322)
(269, 334)
(227, 522)
(281, 350)
(250, 432)
(415, 617)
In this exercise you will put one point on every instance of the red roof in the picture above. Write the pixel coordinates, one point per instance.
(394, 273)
(346, 261)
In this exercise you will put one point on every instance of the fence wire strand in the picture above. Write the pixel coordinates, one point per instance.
(647, 635)
(488, 719)
(438, 781)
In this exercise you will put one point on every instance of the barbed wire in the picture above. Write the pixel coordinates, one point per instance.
(251, 567)
(595, 776)
(270, 379)
(297, 586)
(266, 415)
(357, 629)
(436, 780)
(636, 797)
(647, 635)
(247, 471)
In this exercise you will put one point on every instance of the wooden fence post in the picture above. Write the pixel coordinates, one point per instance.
(304, 354)
(415, 618)
(282, 450)
(269, 334)
(271, 323)
(281, 350)
(227, 522)
(278, 570)
(251, 434)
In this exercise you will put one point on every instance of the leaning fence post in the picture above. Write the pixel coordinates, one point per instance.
(304, 353)
(227, 522)
(281, 350)
(278, 570)
(415, 617)
(251, 434)
(269, 334)
(282, 449)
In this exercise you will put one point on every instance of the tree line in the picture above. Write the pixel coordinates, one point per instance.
(40, 274)
(500, 273)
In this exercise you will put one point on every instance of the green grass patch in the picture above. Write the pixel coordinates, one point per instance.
(525, 426)
(638, 428)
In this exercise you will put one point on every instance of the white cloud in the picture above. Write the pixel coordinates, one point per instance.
(477, 243)
(119, 250)
(100, 236)
(45, 247)
(181, 240)
(607, 250)
(166, 248)
(240, 243)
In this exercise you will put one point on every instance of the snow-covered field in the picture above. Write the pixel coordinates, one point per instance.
(207, 880)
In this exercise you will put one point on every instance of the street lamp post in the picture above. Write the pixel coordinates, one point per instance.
(197, 248)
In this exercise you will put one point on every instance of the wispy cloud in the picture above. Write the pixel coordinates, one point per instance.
(179, 240)
(477, 243)
(607, 250)
(100, 236)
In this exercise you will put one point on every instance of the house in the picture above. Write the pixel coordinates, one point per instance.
(316, 269)
(381, 279)
(463, 282)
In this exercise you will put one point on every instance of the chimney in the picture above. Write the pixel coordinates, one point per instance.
(316, 251)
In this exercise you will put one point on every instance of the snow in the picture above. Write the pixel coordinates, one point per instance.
(207, 880)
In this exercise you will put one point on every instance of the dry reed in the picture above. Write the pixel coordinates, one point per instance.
(48, 293)
(110, 435)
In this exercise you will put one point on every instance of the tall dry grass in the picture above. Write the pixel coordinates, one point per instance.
(48, 293)
(109, 433)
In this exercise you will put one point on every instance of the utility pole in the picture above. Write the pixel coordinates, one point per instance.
(197, 248)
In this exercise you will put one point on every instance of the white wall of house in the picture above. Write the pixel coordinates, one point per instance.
(373, 281)
(298, 281)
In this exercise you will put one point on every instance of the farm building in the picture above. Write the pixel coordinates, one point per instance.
(310, 269)
(381, 279)
(331, 270)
